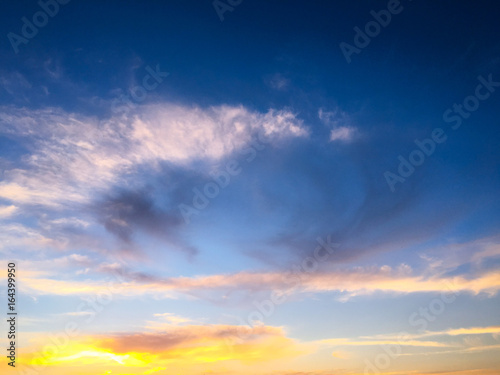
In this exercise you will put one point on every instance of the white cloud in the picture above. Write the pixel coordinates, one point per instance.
(181, 134)
(7, 211)
(339, 121)
(73, 156)
(71, 222)
(342, 133)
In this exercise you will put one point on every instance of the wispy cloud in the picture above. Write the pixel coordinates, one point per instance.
(166, 321)
(349, 282)
(493, 330)
(73, 155)
(340, 124)
(350, 342)
(7, 211)
(342, 133)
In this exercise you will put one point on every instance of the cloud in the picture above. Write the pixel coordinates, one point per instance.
(166, 321)
(473, 331)
(73, 156)
(421, 345)
(179, 346)
(334, 118)
(340, 192)
(185, 336)
(352, 282)
(342, 133)
(79, 172)
(125, 212)
(15, 236)
(493, 330)
(7, 211)
(350, 342)
(182, 134)
(340, 124)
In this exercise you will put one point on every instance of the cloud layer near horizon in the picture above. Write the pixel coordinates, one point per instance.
(349, 282)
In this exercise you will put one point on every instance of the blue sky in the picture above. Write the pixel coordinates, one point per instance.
(244, 141)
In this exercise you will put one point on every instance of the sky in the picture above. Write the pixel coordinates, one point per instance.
(250, 187)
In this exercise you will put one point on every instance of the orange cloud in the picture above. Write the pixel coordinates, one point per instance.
(348, 342)
(473, 331)
(179, 347)
(352, 282)
(495, 330)
(207, 343)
